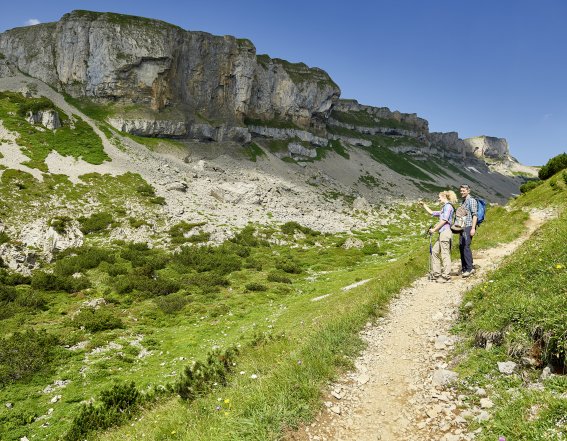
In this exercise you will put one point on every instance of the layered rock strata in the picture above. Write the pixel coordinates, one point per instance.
(114, 58)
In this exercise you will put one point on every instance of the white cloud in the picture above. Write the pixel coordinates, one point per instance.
(32, 21)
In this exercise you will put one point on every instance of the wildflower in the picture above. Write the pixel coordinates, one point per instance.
(226, 401)
(253, 376)
(558, 266)
(299, 362)
(173, 432)
(217, 408)
(242, 372)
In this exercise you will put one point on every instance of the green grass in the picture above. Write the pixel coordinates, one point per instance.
(336, 146)
(79, 141)
(253, 151)
(369, 180)
(180, 305)
(276, 122)
(521, 311)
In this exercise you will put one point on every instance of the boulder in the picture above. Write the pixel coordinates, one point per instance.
(47, 118)
(296, 149)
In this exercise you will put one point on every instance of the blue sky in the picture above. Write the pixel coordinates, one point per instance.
(480, 67)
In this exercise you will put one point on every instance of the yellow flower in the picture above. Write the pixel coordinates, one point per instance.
(226, 401)
(558, 266)
(173, 432)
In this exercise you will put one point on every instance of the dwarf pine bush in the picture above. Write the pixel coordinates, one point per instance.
(200, 378)
(96, 320)
(25, 353)
(96, 222)
(117, 404)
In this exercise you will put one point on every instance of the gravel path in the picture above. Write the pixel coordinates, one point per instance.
(397, 391)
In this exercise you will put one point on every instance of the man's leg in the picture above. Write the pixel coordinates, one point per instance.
(462, 251)
(467, 253)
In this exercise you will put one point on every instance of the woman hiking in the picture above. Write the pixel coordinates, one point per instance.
(441, 251)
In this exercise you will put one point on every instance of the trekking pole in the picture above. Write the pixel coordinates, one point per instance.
(429, 275)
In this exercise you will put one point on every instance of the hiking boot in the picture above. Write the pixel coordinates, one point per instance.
(443, 279)
(466, 274)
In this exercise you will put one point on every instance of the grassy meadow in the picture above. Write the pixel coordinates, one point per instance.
(236, 341)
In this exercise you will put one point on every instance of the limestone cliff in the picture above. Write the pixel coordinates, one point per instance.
(488, 147)
(194, 77)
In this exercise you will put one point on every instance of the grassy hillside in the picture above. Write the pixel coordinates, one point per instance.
(519, 315)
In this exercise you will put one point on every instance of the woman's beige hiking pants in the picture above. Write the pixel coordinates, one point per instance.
(441, 255)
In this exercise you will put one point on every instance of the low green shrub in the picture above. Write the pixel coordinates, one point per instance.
(290, 228)
(97, 320)
(145, 284)
(208, 282)
(145, 189)
(26, 353)
(35, 105)
(256, 287)
(85, 258)
(289, 265)
(117, 404)
(13, 279)
(252, 263)
(8, 293)
(31, 299)
(222, 259)
(96, 222)
(172, 303)
(278, 276)
(60, 223)
(247, 237)
(58, 282)
(530, 185)
(4, 238)
(201, 378)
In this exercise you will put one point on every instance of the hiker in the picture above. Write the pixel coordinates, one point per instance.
(465, 237)
(441, 251)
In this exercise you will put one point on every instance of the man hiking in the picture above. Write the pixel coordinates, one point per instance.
(465, 238)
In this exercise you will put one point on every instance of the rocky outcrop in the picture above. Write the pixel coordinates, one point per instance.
(291, 91)
(116, 58)
(488, 147)
(389, 131)
(448, 142)
(47, 118)
(296, 149)
(410, 120)
(145, 127)
(275, 133)
(39, 235)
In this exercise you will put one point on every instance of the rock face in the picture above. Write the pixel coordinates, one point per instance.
(132, 60)
(410, 120)
(450, 142)
(488, 146)
(47, 118)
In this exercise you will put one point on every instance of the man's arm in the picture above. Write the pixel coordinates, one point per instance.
(474, 213)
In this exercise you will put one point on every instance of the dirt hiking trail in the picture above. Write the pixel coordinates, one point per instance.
(397, 391)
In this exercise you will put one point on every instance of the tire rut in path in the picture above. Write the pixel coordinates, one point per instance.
(394, 393)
